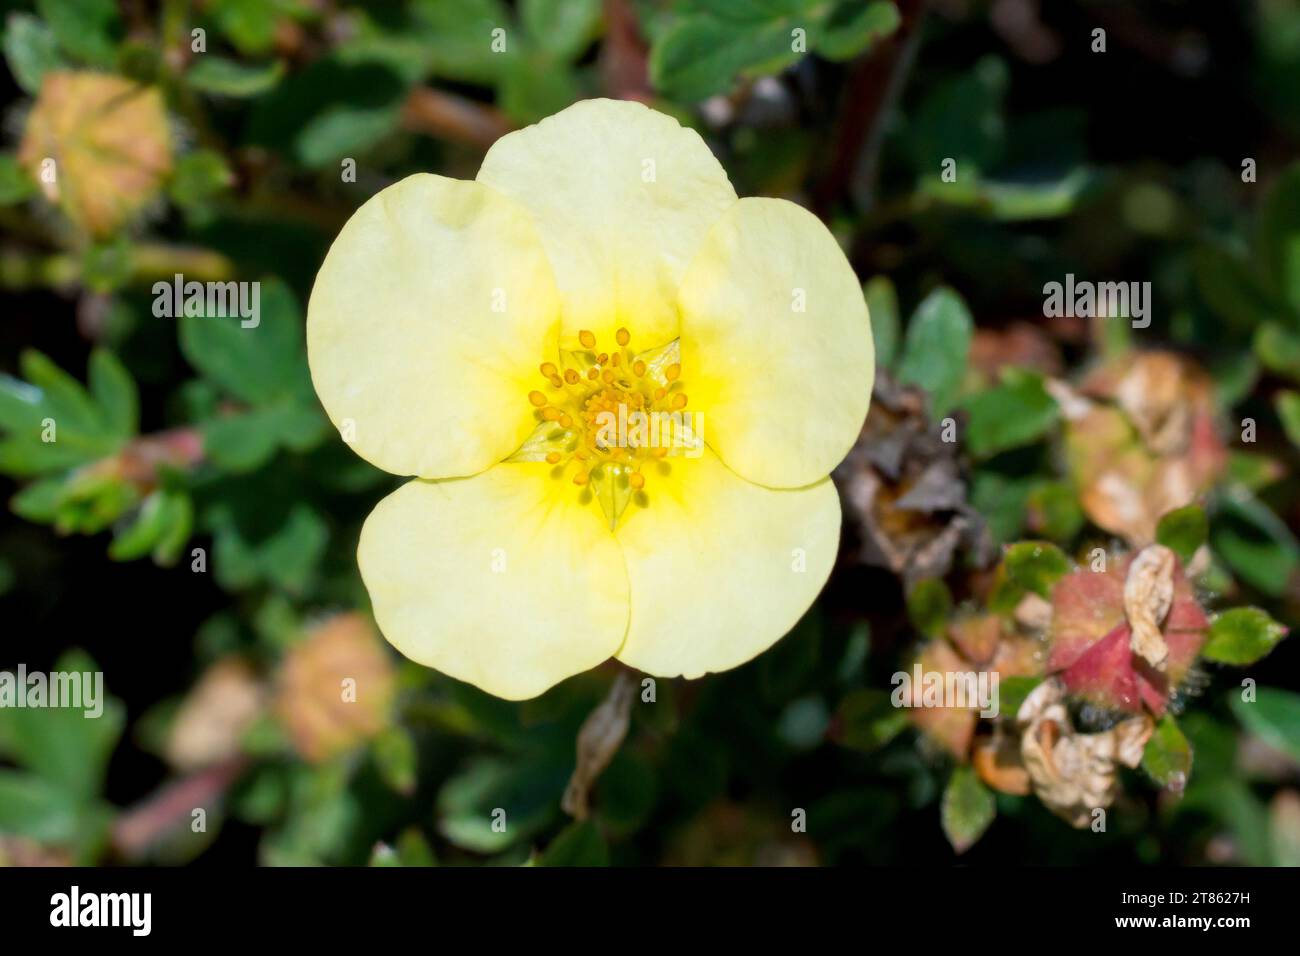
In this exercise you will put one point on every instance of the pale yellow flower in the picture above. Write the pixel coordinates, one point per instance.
(471, 333)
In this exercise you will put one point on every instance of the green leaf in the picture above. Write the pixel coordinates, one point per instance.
(929, 603)
(1254, 541)
(87, 29)
(1168, 755)
(15, 184)
(215, 74)
(561, 28)
(937, 347)
(161, 528)
(114, 391)
(1287, 404)
(457, 37)
(525, 792)
(1242, 635)
(1278, 349)
(257, 363)
(52, 404)
(1230, 287)
(282, 547)
(1012, 692)
(1055, 510)
(967, 809)
(396, 758)
(248, 24)
(36, 808)
(882, 305)
(1015, 413)
(533, 88)
(866, 720)
(961, 120)
(1278, 240)
(67, 746)
(702, 55)
(1183, 531)
(1035, 566)
(1274, 717)
(854, 26)
(579, 844)
(244, 442)
(31, 51)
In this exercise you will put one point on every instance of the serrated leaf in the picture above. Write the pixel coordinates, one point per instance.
(256, 363)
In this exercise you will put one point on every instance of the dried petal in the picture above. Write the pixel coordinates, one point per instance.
(599, 738)
(1148, 594)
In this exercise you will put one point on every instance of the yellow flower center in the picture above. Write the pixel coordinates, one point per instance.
(607, 418)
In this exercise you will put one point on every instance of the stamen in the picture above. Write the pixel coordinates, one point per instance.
(580, 478)
(571, 376)
(636, 480)
(673, 372)
(679, 401)
(537, 398)
(638, 368)
(588, 339)
(548, 370)
(623, 336)
(553, 457)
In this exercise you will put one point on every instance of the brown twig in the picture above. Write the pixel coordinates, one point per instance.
(142, 826)
(874, 84)
(447, 116)
(624, 55)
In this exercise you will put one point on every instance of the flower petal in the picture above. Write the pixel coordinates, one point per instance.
(623, 196)
(776, 344)
(504, 580)
(426, 326)
(715, 562)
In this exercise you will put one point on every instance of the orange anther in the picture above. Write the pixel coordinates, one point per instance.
(537, 398)
(588, 339)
